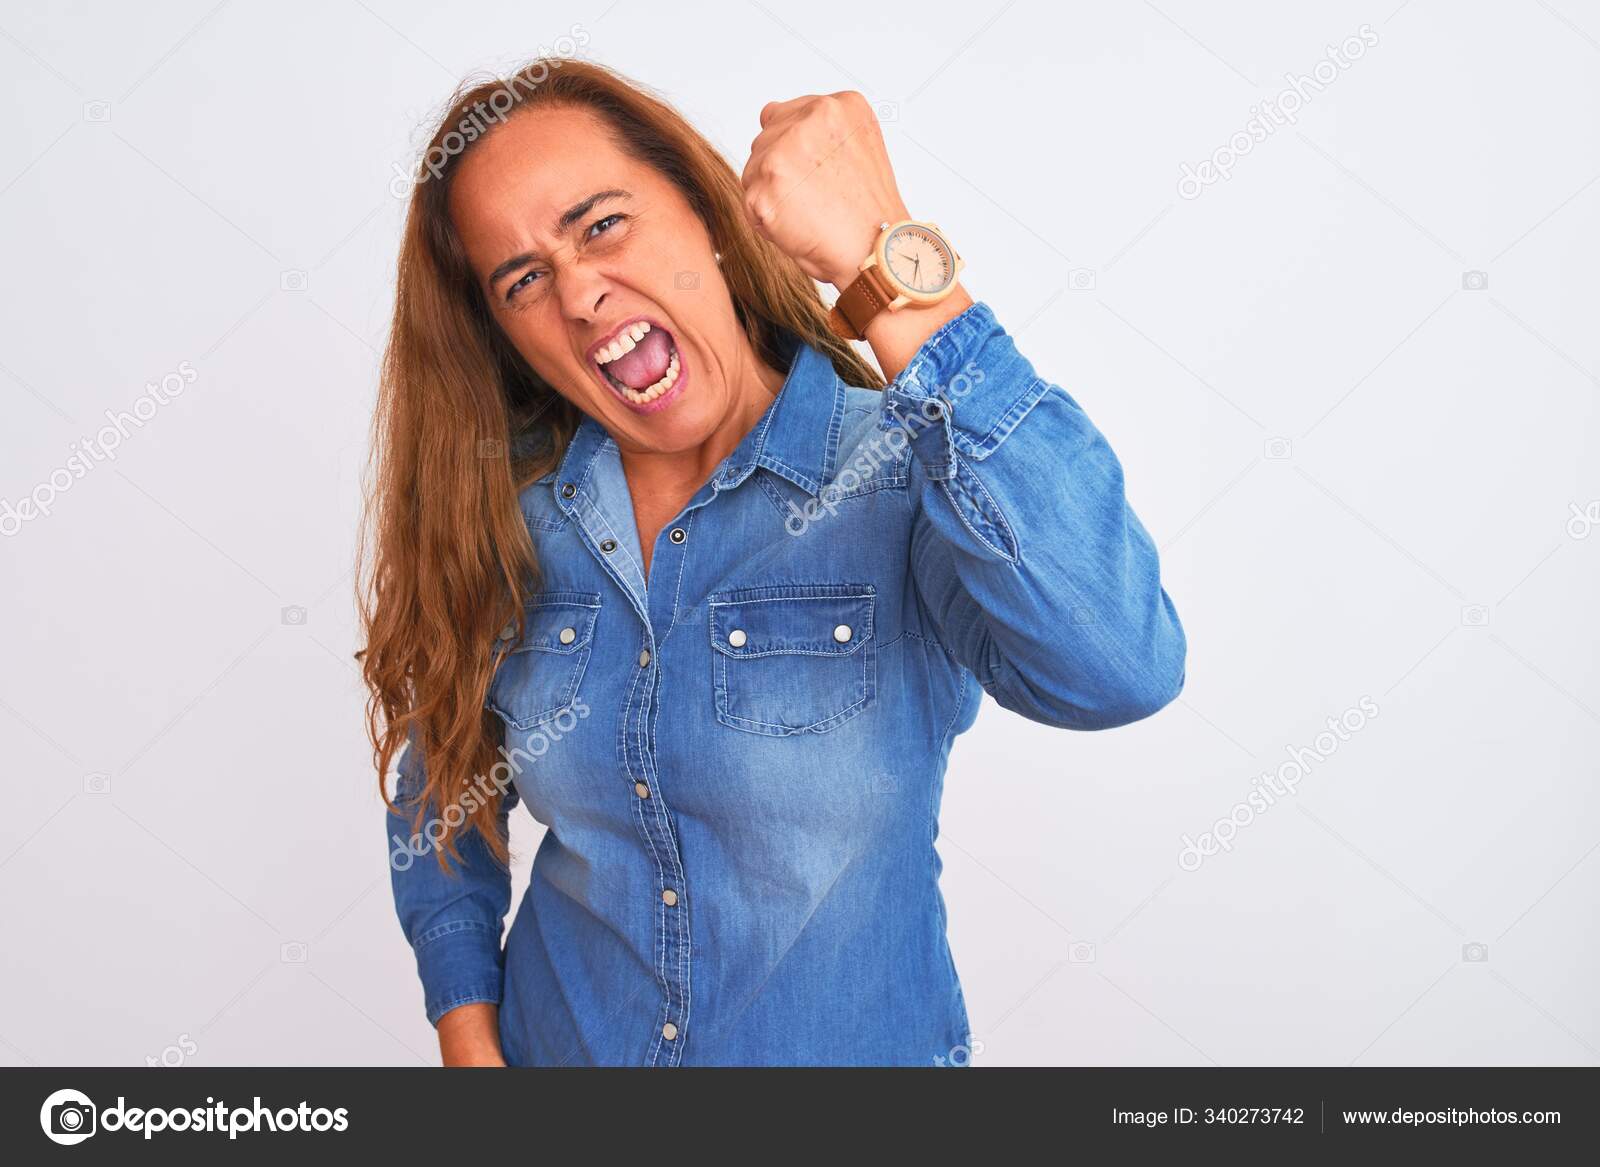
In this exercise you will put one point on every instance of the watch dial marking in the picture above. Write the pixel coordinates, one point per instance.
(919, 259)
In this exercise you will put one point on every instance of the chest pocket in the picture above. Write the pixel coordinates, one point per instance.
(793, 658)
(539, 677)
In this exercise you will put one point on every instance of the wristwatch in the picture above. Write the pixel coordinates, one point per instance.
(911, 263)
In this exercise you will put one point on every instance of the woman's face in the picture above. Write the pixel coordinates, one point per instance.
(578, 248)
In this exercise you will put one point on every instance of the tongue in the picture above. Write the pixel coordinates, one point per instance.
(646, 363)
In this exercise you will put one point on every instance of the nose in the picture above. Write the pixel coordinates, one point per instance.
(582, 290)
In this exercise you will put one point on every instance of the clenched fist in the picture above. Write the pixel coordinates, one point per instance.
(819, 183)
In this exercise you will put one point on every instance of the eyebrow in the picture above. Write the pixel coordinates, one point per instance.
(567, 218)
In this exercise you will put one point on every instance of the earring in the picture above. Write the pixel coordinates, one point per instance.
(718, 254)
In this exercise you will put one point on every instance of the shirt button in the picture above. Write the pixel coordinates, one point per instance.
(842, 634)
(669, 897)
(608, 545)
(669, 1031)
(509, 631)
(568, 490)
(644, 658)
(641, 790)
(736, 638)
(568, 635)
(678, 535)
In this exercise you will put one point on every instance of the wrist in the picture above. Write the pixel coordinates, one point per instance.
(895, 337)
(469, 1035)
(842, 271)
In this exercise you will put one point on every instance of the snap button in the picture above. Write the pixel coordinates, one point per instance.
(737, 638)
(608, 545)
(669, 897)
(509, 631)
(568, 490)
(842, 634)
(669, 1031)
(644, 658)
(678, 535)
(568, 635)
(641, 790)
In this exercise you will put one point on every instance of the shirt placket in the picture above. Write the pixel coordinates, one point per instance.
(636, 752)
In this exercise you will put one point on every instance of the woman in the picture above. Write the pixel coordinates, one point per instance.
(657, 554)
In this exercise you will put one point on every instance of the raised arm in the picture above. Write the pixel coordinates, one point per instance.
(1030, 565)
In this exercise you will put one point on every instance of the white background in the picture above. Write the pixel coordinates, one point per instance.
(169, 169)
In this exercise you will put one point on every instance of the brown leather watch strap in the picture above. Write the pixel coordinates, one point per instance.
(866, 296)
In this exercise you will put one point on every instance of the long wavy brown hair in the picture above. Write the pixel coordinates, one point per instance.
(463, 423)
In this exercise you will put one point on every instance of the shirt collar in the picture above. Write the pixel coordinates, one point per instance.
(797, 437)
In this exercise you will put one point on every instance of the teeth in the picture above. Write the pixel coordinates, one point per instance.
(624, 343)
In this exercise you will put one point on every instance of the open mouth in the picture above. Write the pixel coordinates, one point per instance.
(641, 364)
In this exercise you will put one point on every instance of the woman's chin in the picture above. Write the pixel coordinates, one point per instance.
(684, 424)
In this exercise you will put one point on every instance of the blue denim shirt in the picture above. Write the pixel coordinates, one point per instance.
(740, 767)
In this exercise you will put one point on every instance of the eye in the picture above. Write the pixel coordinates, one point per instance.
(601, 226)
(524, 282)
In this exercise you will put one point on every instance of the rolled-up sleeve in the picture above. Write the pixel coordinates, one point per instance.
(1029, 564)
(452, 919)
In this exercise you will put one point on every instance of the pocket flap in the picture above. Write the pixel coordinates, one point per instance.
(809, 619)
(560, 622)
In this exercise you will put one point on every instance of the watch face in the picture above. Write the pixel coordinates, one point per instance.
(919, 259)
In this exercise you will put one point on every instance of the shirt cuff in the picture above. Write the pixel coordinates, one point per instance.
(967, 380)
(459, 963)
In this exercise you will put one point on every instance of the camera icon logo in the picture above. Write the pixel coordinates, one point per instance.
(1081, 953)
(97, 783)
(293, 280)
(97, 111)
(888, 111)
(686, 281)
(1081, 279)
(293, 952)
(491, 449)
(294, 614)
(1277, 449)
(1474, 281)
(68, 1117)
(1475, 616)
(1475, 953)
